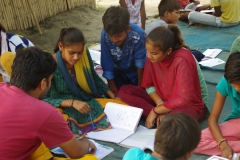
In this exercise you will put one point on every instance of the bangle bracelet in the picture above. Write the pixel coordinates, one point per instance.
(159, 101)
(155, 111)
(221, 142)
(69, 102)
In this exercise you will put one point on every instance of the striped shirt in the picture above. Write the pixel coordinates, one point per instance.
(16, 42)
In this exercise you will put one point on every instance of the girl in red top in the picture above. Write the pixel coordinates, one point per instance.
(170, 80)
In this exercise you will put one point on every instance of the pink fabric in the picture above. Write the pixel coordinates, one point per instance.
(230, 131)
(25, 122)
(138, 97)
(176, 80)
(183, 3)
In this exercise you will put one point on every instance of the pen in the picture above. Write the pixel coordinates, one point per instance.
(93, 127)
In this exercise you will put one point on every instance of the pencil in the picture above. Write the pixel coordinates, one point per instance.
(93, 127)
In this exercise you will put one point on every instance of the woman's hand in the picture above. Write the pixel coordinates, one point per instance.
(160, 118)
(82, 107)
(227, 151)
(118, 98)
(151, 119)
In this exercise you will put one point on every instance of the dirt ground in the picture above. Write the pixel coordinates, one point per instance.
(84, 18)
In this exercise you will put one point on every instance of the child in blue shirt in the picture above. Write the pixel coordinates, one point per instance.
(123, 51)
(176, 137)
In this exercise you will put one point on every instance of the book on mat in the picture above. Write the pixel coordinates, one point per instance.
(124, 120)
(101, 152)
(143, 138)
(210, 59)
(212, 53)
(212, 62)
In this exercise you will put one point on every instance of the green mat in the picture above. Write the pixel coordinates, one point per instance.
(200, 38)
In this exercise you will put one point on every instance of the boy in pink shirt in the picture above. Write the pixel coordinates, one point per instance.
(25, 120)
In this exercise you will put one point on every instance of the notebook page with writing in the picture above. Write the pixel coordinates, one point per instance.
(101, 152)
(123, 117)
(143, 138)
(124, 120)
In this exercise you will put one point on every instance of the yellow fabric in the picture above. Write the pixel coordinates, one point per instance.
(65, 116)
(104, 101)
(42, 153)
(7, 61)
(86, 157)
(230, 10)
(79, 67)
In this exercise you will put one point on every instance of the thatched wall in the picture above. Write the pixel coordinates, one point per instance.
(17, 14)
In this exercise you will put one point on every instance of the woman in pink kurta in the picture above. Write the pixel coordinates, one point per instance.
(170, 80)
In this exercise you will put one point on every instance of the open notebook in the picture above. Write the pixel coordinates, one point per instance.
(210, 59)
(124, 120)
(102, 151)
(143, 138)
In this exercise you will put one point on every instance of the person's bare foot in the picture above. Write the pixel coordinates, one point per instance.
(199, 24)
(190, 23)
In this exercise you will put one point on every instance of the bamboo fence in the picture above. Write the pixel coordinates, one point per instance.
(22, 14)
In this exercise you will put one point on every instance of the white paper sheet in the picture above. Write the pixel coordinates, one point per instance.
(123, 117)
(212, 53)
(212, 62)
(96, 56)
(111, 135)
(143, 138)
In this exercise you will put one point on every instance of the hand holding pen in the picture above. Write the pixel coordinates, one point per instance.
(81, 106)
(84, 108)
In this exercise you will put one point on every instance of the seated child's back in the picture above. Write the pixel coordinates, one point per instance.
(176, 137)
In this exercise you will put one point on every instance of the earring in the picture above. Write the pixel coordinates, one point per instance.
(168, 53)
